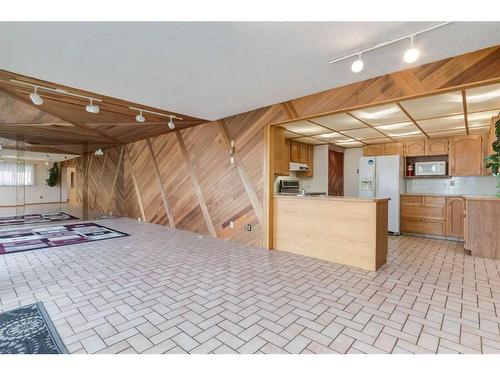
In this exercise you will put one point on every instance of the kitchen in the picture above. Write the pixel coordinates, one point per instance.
(425, 154)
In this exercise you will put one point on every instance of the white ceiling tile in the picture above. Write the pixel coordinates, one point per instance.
(339, 121)
(483, 98)
(481, 118)
(377, 140)
(310, 140)
(304, 127)
(349, 144)
(400, 129)
(480, 129)
(330, 137)
(448, 133)
(289, 134)
(443, 123)
(367, 133)
(384, 114)
(434, 105)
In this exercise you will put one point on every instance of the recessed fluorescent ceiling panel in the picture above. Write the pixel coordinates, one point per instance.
(349, 144)
(377, 140)
(481, 118)
(385, 114)
(400, 129)
(339, 121)
(291, 134)
(305, 128)
(434, 106)
(330, 137)
(447, 133)
(443, 123)
(311, 141)
(361, 134)
(483, 98)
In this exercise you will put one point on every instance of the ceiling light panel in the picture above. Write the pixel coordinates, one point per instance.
(349, 144)
(443, 123)
(289, 135)
(367, 133)
(483, 98)
(331, 137)
(339, 121)
(481, 118)
(398, 129)
(305, 128)
(384, 114)
(479, 129)
(448, 133)
(434, 105)
(310, 141)
(377, 140)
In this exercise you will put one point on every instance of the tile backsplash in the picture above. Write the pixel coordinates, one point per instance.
(481, 185)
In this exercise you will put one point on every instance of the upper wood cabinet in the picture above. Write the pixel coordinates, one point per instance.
(395, 148)
(310, 161)
(303, 152)
(415, 147)
(372, 150)
(437, 146)
(455, 209)
(294, 152)
(466, 155)
(281, 152)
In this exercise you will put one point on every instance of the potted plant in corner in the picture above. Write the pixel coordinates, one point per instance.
(53, 176)
(493, 161)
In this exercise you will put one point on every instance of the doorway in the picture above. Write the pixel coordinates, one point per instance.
(335, 173)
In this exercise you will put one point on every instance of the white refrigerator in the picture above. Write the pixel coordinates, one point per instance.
(382, 177)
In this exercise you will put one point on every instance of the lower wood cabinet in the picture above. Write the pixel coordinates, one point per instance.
(436, 215)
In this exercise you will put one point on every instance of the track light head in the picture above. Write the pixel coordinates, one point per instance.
(140, 117)
(358, 65)
(35, 98)
(92, 108)
(412, 54)
(171, 124)
(99, 152)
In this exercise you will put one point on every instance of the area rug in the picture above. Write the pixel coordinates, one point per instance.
(35, 218)
(29, 330)
(23, 239)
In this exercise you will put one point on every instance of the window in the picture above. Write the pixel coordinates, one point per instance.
(17, 174)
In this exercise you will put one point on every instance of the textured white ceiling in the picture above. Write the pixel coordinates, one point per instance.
(212, 70)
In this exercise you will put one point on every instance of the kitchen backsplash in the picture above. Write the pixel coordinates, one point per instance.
(457, 185)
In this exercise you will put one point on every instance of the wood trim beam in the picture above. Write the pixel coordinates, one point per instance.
(335, 131)
(100, 179)
(290, 110)
(370, 126)
(466, 114)
(196, 185)
(247, 184)
(168, 210)
(403, 109)
(134, 182)
(115, 179)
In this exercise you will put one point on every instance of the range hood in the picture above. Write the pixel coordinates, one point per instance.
(299, 167)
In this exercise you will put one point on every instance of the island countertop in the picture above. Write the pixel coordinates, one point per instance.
(331, 198)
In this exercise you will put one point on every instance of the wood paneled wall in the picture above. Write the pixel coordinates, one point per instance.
(185, 180)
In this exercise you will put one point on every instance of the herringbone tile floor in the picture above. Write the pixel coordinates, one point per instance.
(168, 291)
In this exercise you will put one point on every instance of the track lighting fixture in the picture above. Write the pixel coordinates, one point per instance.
(411, 55)
(99, 152)
(357, 65)
(35, 97)
(171, 124)
(140, 117)
(92, 108)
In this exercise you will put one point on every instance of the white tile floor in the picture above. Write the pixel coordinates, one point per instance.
(168, 291)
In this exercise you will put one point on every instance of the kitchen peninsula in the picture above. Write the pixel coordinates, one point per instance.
(346, 230)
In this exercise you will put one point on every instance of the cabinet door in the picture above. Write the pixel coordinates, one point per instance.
(437, 146)
(281, 161)
(310, 161)
(395, 148)
(466, 158)
(294, 151)
(372, 150)
(455, 208)
(415, 148)
(303, 152)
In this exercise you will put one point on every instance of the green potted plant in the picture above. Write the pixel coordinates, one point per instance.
(493, 161)
(53, 176)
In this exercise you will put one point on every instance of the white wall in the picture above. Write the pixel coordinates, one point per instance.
(351, 165)
(38, 193)
(319, 181)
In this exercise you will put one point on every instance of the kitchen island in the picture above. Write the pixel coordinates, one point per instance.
(345, 230)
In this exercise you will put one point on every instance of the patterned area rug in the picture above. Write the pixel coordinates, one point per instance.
(23, 239)
(35, 218)
(29, 330)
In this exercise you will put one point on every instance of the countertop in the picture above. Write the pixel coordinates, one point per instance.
(333, 198)
(466, 196)
(481, 198)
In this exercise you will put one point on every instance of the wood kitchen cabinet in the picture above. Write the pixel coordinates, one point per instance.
(294, 151)
(372, 150)
(423, 214)
(466, 155)
(303, 152)
(395, 148)
(414, 148)
(310, 161)
(436, 146)
(281, 152)
(455, 212)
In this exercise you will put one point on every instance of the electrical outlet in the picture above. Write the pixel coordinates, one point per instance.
(231, 224)
(249, 227)
(41, 196)
(452, 182)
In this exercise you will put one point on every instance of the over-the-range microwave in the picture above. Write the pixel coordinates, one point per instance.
(430, 168)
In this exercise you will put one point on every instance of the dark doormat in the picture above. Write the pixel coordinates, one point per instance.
(29, 330)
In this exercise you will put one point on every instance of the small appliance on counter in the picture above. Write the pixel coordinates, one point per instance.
(289, 187)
